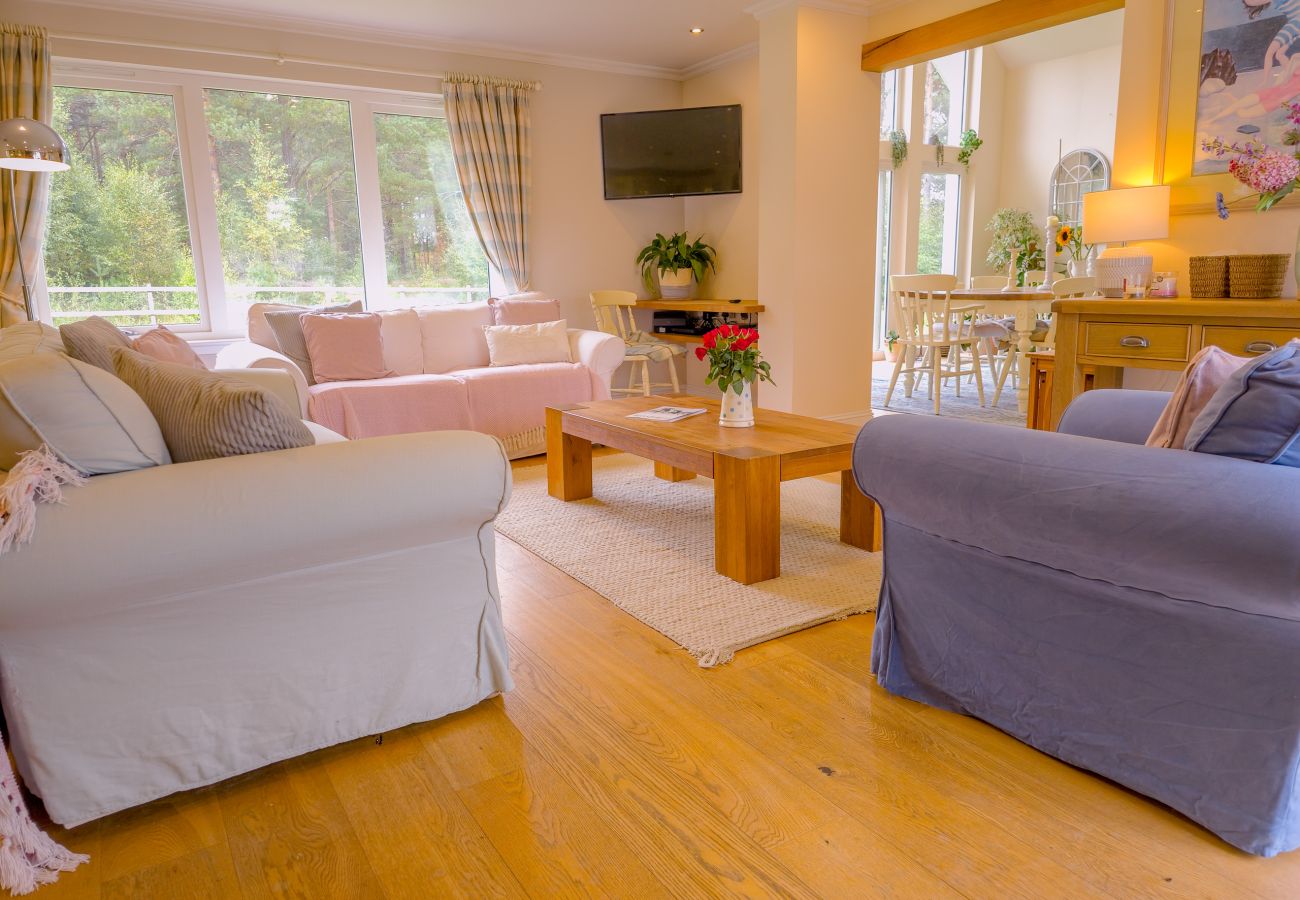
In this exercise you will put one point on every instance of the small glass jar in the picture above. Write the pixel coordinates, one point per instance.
(1164, 284)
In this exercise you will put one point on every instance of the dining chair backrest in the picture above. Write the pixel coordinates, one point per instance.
(613, 311)
(1079, 286)
(924, 307)
(988, 282)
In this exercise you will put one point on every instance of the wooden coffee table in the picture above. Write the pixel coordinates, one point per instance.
(747, 466)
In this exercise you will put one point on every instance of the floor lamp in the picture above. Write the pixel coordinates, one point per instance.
(29, 146)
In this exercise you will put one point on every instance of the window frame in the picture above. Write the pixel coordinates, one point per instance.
(186, 87)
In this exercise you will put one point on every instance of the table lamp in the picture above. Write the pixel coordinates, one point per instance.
(1120, 215)
(29, 146)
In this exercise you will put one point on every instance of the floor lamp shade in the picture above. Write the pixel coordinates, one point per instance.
(31, 146)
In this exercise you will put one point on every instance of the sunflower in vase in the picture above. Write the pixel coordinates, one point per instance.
(1069, 243)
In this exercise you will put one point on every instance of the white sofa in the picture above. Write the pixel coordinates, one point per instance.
(173, 626)
(447, 383)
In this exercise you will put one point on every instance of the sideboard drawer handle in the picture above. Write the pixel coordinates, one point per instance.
(1261, 347)
(1134, 340)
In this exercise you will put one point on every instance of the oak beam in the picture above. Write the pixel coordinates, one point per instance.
(975, 28)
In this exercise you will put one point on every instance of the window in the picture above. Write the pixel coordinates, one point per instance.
(936, 249)
(1079, 172)
(888, 102)
(883, 240)
(285, 182)
(430, 249)
(119, 235)
(945, 99)
(192, 196)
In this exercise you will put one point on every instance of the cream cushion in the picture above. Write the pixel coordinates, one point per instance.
(403, 347)
(93, 340)
(206, 415)
(519, 345)
(452, 337)
(27, 338)
(88, 417)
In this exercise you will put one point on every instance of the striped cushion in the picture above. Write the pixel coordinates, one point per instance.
(205, 415)
(93, 341)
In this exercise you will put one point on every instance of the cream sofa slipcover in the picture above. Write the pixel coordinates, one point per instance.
(451, 385)
(174, 626)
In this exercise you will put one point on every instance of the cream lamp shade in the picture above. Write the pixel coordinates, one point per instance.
(31, 146)
(1126, 214)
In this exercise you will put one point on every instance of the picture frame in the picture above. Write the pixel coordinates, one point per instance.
(1180, 133)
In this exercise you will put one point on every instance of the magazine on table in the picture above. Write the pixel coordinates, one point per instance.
(668, 413)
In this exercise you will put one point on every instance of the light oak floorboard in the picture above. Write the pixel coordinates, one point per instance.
(619, 768)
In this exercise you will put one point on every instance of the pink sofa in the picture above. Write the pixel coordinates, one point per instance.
(448, 384)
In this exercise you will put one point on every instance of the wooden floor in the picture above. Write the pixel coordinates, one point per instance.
(618, 768)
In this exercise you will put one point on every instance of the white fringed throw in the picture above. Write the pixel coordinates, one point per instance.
(28, 857)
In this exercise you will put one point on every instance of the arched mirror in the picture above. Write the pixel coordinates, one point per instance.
(1079, 172)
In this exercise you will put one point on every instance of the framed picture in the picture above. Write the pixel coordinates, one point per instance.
(1232, 65)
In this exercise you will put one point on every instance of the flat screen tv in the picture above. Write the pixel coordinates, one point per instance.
(671, 152)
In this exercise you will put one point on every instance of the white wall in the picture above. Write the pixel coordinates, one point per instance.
(1067, 103)
(579, 241)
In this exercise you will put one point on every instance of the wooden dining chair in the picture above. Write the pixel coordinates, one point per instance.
(1062, 288)
(934, 335)
(613, 310)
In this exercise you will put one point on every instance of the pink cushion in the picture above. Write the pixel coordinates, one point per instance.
(164, 345)
(504, 401)
(345, 346)
(514, 311)
(452, 336)
(1206, 371)
(398, 405)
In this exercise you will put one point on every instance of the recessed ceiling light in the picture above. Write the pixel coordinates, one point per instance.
(697, 30)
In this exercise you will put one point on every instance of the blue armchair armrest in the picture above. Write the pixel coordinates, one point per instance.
(1114, 415)
(1190, 526)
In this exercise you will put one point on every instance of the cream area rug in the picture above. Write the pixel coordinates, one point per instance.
(647, 546)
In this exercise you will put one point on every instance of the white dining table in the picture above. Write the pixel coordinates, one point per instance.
(1026, 306)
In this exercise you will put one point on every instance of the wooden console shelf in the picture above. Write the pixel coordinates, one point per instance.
(1097, 339)
(692, 305)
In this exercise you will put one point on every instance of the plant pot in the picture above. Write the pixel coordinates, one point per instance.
(675, 285)
(891, 354)
(738, 409)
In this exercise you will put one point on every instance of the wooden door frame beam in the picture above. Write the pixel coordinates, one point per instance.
(976, 27)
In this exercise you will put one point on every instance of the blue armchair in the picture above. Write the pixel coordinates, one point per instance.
(1130, 610)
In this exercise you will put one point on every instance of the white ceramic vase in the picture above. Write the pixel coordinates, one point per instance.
(1078, 268)
(738, 409)
(675, 285)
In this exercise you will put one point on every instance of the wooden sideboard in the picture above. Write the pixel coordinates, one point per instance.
(1096, 339)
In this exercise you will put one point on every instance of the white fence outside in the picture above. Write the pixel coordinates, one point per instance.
(148, 303)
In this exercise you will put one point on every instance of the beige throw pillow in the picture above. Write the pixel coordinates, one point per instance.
(206, 415)
(27, 338)
(93, 340)
(1205, 372)
(287, 325)
(517, 345)
(92, 420)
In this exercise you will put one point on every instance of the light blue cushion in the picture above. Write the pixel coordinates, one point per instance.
(1255, 414)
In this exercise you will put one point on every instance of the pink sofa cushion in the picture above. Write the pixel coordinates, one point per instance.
(164, 345)
(452, 337)
(516, 311)
(398, 405)
(1205, 372)
(510, 399)
(345, 346)
(403, 346)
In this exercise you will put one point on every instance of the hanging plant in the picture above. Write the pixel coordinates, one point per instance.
(898, 147)
(938, 148)
(970, 142)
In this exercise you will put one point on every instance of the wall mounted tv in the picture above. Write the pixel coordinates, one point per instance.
(671, 152)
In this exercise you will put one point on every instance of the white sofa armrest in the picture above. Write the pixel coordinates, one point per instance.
(601, 353)
(149, 536)
(247, 355)
(275, 381)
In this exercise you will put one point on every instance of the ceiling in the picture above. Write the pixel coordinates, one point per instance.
(655, 35)
(1082, 36)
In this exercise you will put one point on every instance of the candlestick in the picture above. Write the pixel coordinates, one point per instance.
(1049, 253)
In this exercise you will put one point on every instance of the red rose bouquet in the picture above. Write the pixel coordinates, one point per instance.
(734, 360)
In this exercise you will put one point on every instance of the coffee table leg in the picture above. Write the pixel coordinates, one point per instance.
(747, 517)
(568, 460)
(859, 516)
(672, 473)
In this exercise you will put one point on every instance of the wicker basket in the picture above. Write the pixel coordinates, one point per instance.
(1209, 276)
(1256, 275)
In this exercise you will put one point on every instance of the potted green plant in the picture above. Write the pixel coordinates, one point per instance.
(676, 261)
(891, 339)
(1014, 231)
